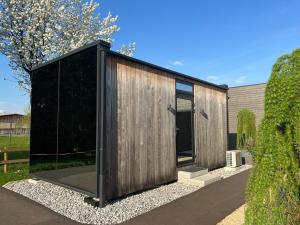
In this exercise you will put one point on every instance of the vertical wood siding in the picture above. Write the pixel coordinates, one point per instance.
(140, 129)
(210, 126)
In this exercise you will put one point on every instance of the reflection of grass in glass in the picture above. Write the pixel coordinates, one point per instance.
(16, 142)
(50, 164)
(15, 172)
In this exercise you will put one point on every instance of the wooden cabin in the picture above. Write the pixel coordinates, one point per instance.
(109, 125)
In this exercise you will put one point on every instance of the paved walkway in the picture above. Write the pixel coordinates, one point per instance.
(207, 206)
(18, 210)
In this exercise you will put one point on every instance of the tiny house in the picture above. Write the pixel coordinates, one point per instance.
(109, 125)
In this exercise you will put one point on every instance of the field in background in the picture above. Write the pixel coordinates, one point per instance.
(15, 171)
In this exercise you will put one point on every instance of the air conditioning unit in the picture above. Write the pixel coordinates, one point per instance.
(233, 158)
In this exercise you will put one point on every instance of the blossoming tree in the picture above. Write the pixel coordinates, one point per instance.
(34, 31)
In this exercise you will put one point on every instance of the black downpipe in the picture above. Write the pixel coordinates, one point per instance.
(227, 118)
(100, 145)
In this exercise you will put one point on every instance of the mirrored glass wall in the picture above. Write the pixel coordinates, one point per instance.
(63, 135)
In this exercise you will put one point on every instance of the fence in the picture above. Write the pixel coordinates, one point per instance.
(7, 162)
(14, 131)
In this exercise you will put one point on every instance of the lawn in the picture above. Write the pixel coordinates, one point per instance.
(15, 142)
(15, 171)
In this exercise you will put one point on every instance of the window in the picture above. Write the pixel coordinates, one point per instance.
(184, 86)
(64, 121)
(44, 118)
(77, 120)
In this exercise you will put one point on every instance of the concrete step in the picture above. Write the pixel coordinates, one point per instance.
(201, 181)
(191, 172)
(207, 179)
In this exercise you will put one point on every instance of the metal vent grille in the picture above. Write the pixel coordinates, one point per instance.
(228, 159)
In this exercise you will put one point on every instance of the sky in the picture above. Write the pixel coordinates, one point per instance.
(232, 42)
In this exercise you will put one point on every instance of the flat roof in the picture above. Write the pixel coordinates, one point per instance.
(247, 85)
(107, 46)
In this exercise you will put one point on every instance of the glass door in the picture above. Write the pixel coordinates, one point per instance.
(184, 128)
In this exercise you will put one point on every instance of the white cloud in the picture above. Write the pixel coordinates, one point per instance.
(2, 111)
(178, 63)
(240, 79)
(212, 78)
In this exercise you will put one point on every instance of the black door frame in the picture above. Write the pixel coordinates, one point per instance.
(189, 96)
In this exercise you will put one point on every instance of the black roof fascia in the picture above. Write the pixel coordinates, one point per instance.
(103, 43)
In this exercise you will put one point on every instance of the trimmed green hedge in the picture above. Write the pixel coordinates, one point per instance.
(246, 129)
(273, 196)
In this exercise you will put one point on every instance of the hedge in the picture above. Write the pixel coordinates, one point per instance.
(273, 195)
(246, 129)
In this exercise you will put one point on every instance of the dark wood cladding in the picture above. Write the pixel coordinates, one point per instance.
(142, 129)
(249, 97)
(210, 126)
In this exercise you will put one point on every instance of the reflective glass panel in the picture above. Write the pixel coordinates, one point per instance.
(44, 118)
(184, 86)
(77, 120)
(184, 147)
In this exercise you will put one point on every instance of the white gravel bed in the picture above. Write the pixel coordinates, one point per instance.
(71, 203)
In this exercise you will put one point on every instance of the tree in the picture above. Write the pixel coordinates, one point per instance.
(246, 129)
(34, 31)
(26, 119)
(273, 193)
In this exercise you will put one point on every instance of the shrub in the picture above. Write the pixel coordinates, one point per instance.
(273, 189)
(246, 129)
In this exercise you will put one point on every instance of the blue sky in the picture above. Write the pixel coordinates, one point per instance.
(234, 42)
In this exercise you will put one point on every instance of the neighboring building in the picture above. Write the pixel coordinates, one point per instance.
(10, 120)
(109, 125)
(244, 97)
(13, 124)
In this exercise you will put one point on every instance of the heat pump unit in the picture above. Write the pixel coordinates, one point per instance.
(233, 158)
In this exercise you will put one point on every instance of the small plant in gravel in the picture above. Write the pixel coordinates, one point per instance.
(273, 196)
(246, 129)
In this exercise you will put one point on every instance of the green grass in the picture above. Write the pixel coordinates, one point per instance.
(15, 171)
(16, 142)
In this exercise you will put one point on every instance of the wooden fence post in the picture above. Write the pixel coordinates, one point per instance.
(5, 162)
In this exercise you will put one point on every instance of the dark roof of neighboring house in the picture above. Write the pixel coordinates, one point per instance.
(106, 44)
(13, 114)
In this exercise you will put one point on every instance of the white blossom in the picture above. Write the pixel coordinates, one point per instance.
(128, 49)
(34, 31)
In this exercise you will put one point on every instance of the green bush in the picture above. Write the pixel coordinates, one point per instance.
(246, 129)
(273, 190)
